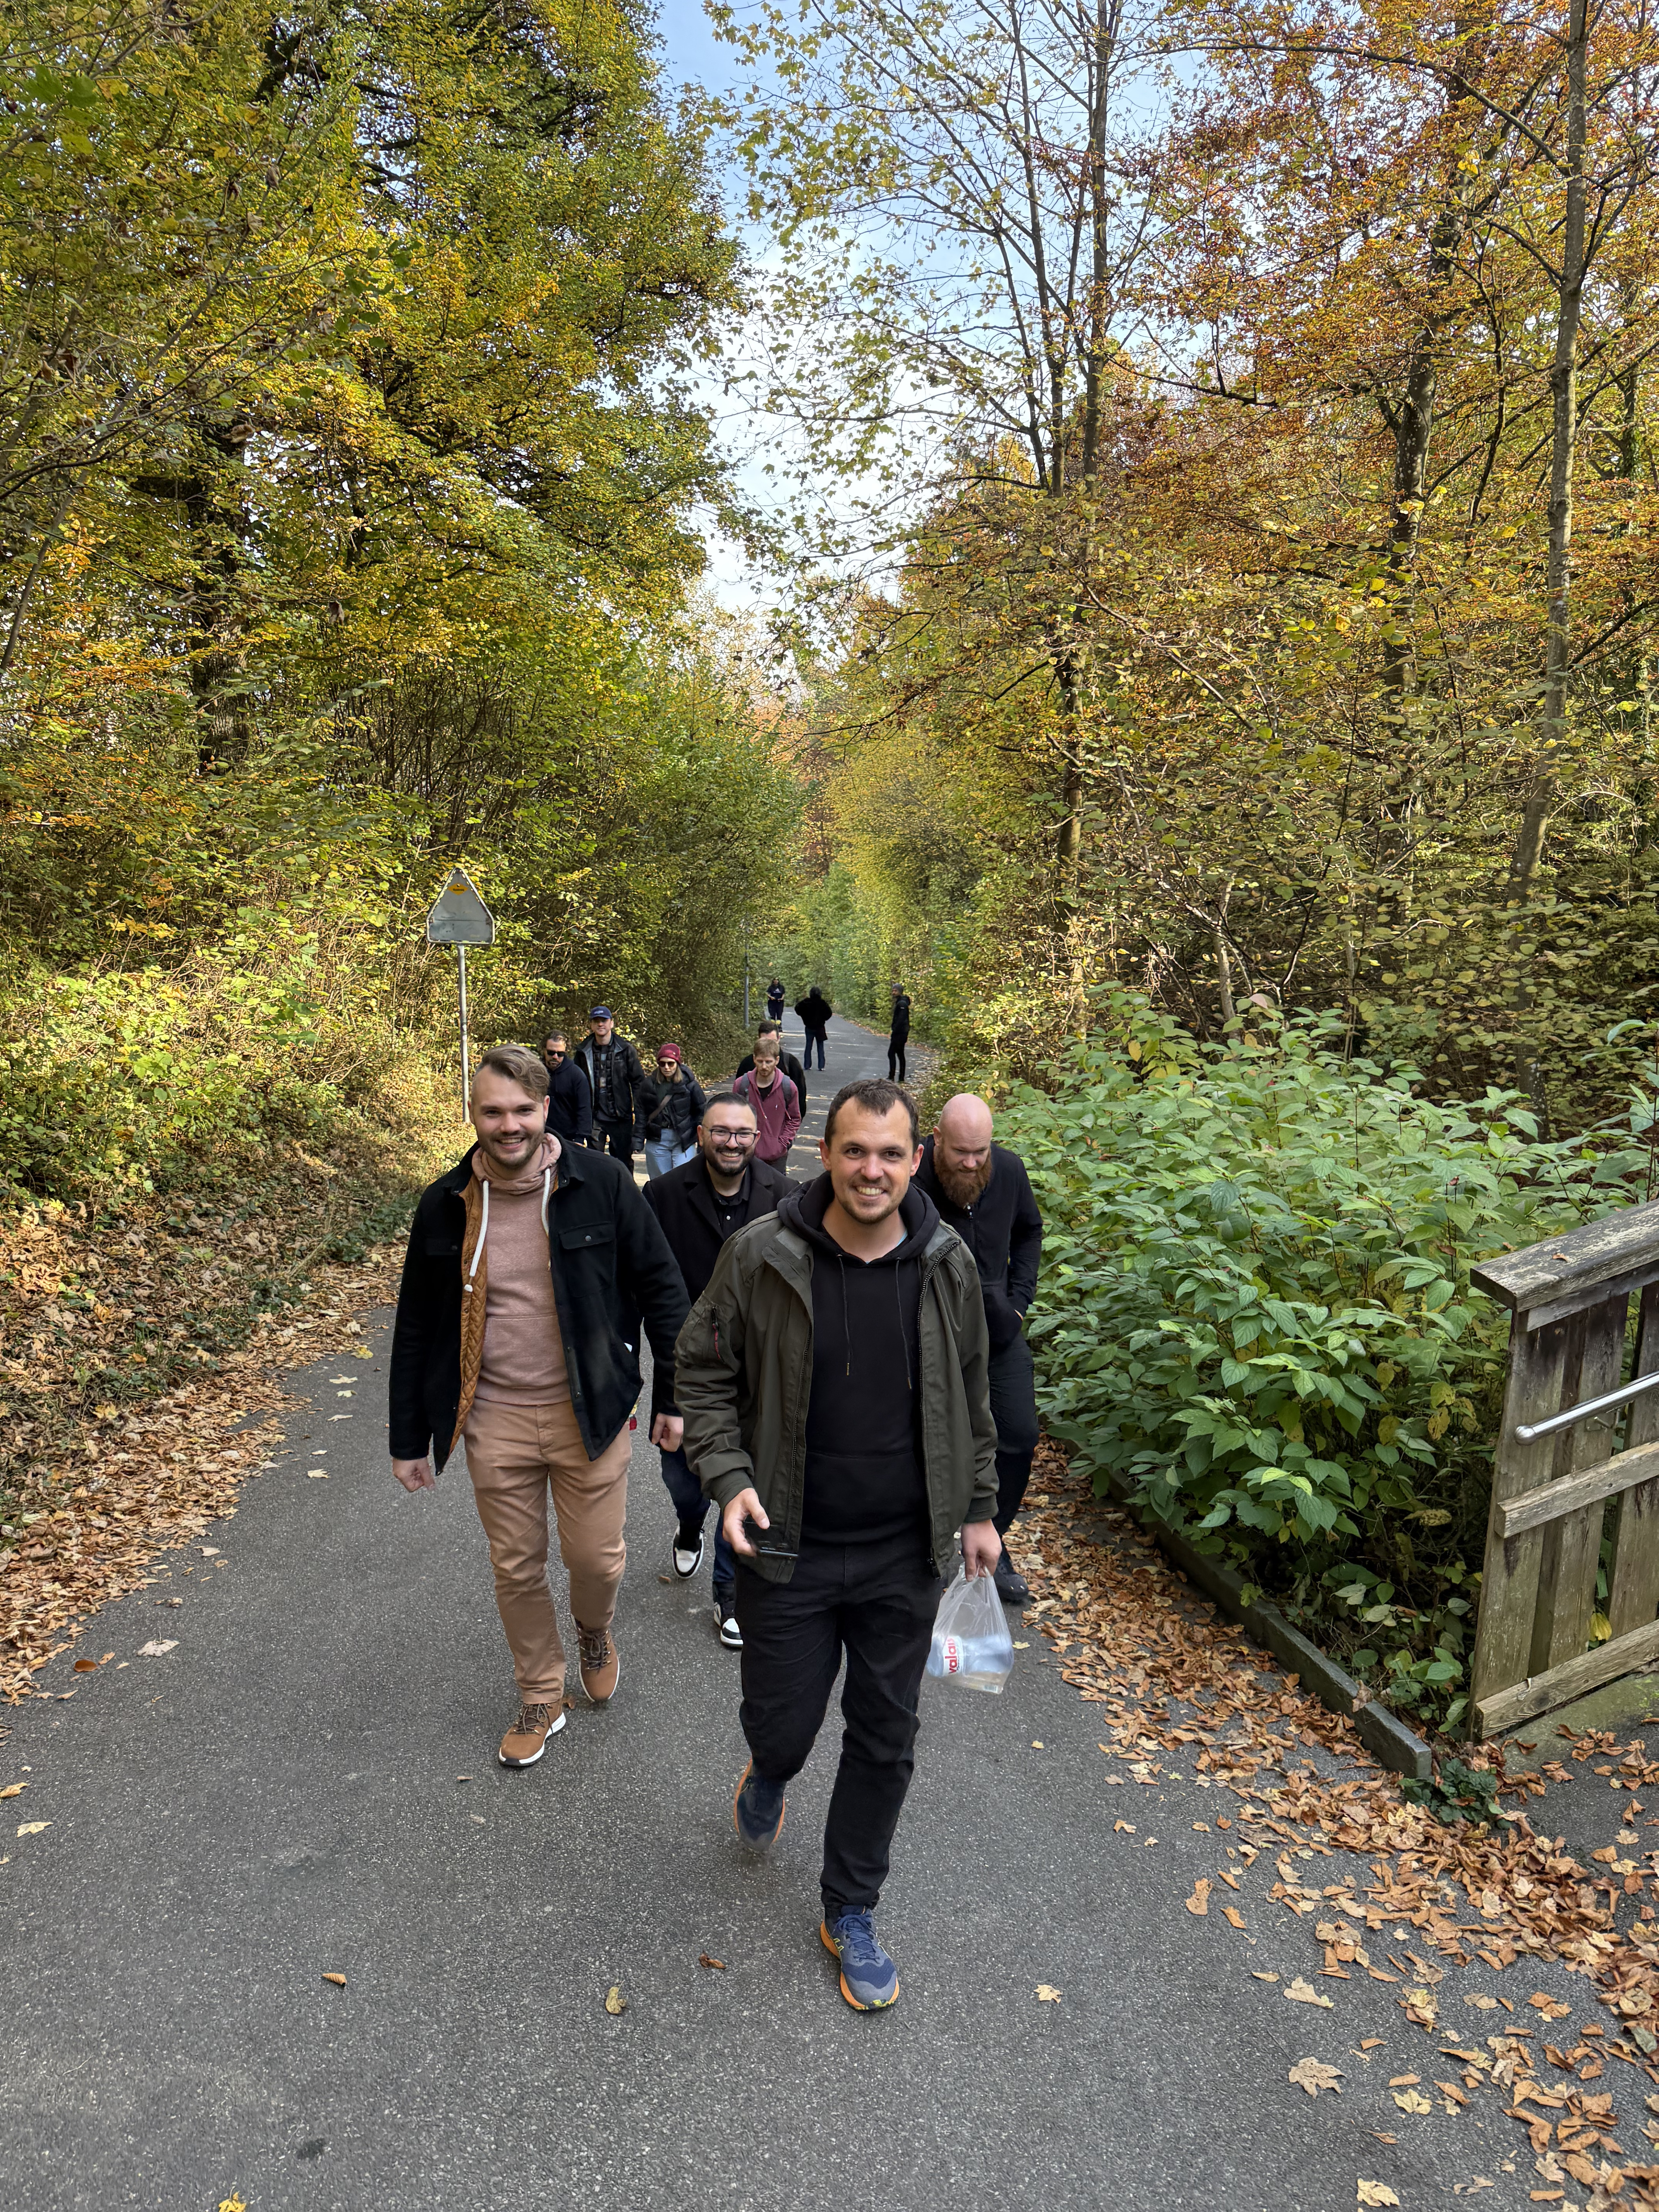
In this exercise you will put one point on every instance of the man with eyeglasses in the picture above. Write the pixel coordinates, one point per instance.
(569, 1098)
(698, 1207)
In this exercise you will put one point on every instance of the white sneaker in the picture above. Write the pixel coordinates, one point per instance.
(687, 1561)
(726, 1622)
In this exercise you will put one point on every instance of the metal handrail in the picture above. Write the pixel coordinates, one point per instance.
(1529, 1432)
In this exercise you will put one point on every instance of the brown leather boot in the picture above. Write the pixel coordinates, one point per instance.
(600, 1665)
(526, 1739)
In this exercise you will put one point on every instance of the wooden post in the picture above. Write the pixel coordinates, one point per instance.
(1572, 1544)
(1508, 1587)
(1634, 1575)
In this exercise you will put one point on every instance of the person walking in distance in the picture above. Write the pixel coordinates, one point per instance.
(899, 1036)
(791, 1067)
(776, 1100)
(722, 1189)
(814, 1011)
(613, 1073)
(982, 1190)
(670, 1105)
(833, 1380)
(774, 1000)
(530, 1266)
(569, 1099)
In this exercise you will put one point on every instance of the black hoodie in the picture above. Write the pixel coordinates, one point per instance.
(863, 1477)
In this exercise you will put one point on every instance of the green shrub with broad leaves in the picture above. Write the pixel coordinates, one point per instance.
(1255, 1309)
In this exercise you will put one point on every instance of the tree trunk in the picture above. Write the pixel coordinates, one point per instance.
(216, 510)
(1068, 843)
(1564, 449)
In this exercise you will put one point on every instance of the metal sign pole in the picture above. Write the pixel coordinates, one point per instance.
(460, 918)
(467, 1055)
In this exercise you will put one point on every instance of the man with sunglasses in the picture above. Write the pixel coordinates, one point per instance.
(569, 1098)
(698, 1206)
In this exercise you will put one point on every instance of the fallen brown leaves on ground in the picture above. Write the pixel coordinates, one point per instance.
(1183, 1691)
(102, 1478)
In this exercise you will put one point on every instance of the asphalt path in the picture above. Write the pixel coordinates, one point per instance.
(306, 1784)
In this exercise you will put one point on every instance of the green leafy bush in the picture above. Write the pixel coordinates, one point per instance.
(1255, 1310)
(125, 1077)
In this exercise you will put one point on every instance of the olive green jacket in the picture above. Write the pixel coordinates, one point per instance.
(743, 1375)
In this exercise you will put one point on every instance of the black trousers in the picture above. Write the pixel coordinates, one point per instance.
(896, 1060)
(615, 1137)
(1012, 1379)
(876, 1603)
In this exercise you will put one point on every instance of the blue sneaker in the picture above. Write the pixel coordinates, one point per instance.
(869, 1979)
(757, 1808)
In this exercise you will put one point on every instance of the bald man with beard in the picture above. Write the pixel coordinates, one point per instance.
(983, 1193)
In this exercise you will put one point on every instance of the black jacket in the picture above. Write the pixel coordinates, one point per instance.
(666, 1109)
(815, 1011)
(683, 1203)
(791, 1067)
(627, 1073)
(611, 1264)
(900, 1032)
(569, 1102)
(1003, 1230)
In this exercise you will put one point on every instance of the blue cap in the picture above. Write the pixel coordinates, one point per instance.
(600, 1014)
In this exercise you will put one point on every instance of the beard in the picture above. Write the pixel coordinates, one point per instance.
(962, 1188)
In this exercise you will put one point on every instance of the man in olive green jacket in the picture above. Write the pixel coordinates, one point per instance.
(833, 1379)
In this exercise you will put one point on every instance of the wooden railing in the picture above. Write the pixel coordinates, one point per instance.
(1560, 1469)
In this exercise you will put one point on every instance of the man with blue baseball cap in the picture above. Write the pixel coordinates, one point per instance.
(614, 1071)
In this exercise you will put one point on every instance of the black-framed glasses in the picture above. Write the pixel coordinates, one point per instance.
(732, 1136)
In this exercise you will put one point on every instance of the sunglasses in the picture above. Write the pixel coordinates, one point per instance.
(556, 1054)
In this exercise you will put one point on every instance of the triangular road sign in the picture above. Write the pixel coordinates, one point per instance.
(460, 916)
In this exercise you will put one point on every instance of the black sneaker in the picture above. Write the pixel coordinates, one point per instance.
(1010, 1583)
(725, 1620)
(687, 1552)
(757, 1808)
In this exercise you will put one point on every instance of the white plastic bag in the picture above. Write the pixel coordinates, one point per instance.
(971, 1642)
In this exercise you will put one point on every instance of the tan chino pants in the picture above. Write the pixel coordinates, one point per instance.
(516, 1455)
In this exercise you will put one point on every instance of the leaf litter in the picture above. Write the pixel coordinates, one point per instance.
(117, 1486)
(1179, 1686)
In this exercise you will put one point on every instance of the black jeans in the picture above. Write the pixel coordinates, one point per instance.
(877, 1602)
(1013, 1408)
(895, 1061)
(615, 1137)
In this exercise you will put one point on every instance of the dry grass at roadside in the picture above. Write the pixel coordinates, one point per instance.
(1174, 1679)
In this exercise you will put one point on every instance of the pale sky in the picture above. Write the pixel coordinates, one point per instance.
(692, 55)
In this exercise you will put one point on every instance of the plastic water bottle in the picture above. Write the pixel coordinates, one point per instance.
(974, 1662)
